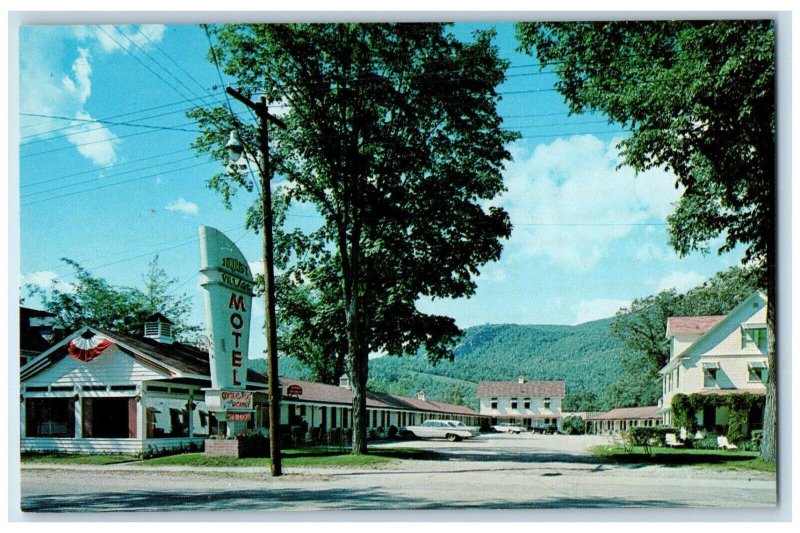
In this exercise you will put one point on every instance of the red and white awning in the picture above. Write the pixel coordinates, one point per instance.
(87, 346)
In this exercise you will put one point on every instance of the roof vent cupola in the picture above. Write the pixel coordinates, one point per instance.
(422, 396)
(521, 379)
(159, 328)
(344, 381)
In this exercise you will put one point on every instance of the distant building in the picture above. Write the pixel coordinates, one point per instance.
(528, 403)
(623, 419)
(37, 332)
(718, 355)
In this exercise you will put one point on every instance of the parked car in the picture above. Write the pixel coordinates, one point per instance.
(544, 429)
(507, 427)
(451, 430)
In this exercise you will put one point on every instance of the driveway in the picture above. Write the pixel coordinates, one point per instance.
(515, 472)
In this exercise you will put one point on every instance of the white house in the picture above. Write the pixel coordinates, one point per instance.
(522, 402)
(717, 355)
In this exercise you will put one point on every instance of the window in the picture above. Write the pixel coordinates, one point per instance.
(757, 372)
(547, 403)
(527, 403)
(678, 377)
(710, 377)
(49, 417)
(115, 418)
(754, 337)
(494, 403)
(513, 403)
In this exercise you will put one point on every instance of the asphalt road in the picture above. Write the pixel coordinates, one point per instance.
(513, 472)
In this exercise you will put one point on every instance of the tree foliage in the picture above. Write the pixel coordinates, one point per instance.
(92, 301)
(699, 99)
(394, 138)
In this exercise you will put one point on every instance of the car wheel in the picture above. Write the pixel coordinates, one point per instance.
(452, 438)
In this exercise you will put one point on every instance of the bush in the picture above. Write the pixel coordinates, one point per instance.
(750, 446)
(573, 425)
(392, 432)
(707, 443)
(756, 435)
(652, 435)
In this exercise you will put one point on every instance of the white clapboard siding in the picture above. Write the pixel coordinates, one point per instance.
(112, 367)
(108, 446)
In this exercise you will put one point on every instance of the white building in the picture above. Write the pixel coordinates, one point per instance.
(717, 355)
(528, 403)
(98, 391)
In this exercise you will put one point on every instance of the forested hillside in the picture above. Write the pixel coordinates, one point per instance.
(586, 356)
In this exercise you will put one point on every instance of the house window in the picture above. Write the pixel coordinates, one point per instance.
(494, 403)
(115, 418)
(754, 337)
(678, 378)
(50, 417)
(513, 403)
(527, 403)
(756, 372)
(547, 403)
(710, 377)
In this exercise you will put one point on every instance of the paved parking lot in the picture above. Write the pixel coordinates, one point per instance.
(522, 472)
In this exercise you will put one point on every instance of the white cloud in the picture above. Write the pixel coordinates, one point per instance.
(681, 281)
(182, 206)
(46, 280)
(588, 310)
(568, 202)
(48, 89)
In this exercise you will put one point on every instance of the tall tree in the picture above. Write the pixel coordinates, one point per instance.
(92, 301)
(393, 136)
(699, 99)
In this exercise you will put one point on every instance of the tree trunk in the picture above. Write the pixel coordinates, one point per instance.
(769, 441)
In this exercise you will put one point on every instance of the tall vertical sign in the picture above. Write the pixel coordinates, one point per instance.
(228, 283)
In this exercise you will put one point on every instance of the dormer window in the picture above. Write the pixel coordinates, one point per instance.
(757, 372)
(754, 336)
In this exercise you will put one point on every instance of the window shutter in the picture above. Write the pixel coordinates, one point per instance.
(87, 417)
(132, 418)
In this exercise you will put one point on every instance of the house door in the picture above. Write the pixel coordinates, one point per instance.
(709, 417)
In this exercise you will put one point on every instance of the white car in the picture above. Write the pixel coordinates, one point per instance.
(507, 427)
(451, 430)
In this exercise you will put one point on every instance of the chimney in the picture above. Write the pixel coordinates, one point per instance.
(159, 328)
(421, 396)
(344, 381)
(521, 379)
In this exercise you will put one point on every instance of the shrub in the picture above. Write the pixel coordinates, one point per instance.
(392, 432)
(707, 443)
(653, 435)
(756, 435)
(573, 425)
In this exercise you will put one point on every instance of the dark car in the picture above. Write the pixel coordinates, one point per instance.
(544, 429)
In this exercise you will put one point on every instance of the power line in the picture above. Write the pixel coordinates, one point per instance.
(68, 185)
(110, 122)
(145, 65)
(116, 183)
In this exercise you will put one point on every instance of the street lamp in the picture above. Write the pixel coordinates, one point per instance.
(235, 150)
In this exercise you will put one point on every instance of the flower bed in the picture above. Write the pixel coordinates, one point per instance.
(239, 447)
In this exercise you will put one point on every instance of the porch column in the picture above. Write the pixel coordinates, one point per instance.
(23, 423)
(78, 417)
(141, 417)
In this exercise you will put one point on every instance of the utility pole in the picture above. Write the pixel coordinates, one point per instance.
(264, 118)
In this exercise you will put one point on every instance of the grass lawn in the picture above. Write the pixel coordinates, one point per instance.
(63, 458)
(301, 457)
(713, 459)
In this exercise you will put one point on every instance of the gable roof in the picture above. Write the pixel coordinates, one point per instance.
(176, 359)
(719, 324)
(630, 413)
(691, 325)
(535, 389)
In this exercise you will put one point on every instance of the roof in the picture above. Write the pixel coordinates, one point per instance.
(630, 413)
(158, 317)
(324, 393)
(511, 389)
(193, 361)
(691, 325)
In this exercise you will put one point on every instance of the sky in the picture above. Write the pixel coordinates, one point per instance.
(107, 177)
